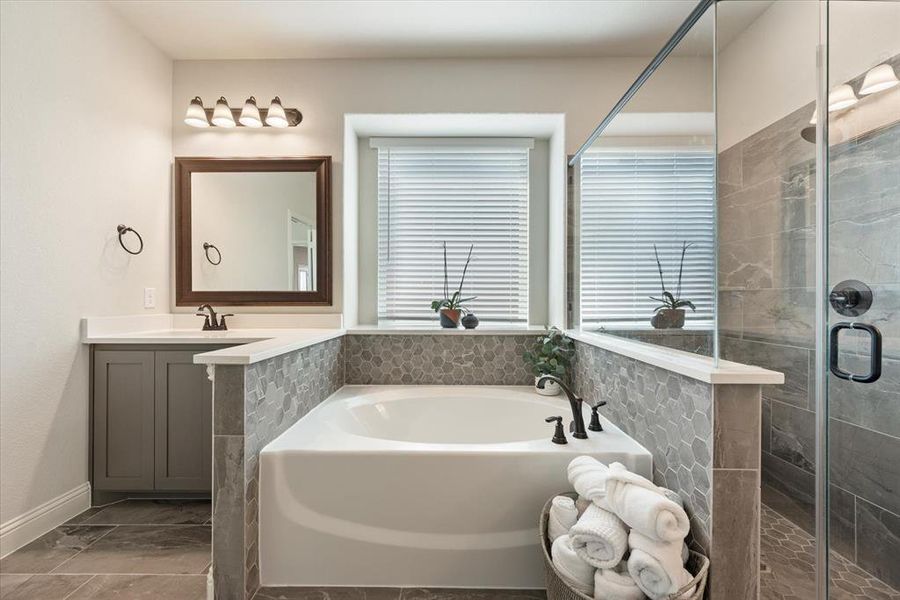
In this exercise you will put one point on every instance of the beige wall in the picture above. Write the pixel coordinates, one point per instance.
(85, 114)
(769, 69)
(324, 90)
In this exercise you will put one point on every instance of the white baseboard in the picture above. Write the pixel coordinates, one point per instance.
(26, 528)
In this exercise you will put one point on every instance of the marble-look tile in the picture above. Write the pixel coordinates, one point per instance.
(149, 549)
(10, 581)
(45, 587)
(795, 258)
(438, 359)
(228, 400)
(885, 315)
(746, 264)
(736, 430)
(792, 361)
(143, 587)
(794, 436)
(789, 490)
(777, 149)
(873, 406)
(735, 549)
(87, 514)
(731, 313)
(787, 554)
(728, 170)
(766, 433)
(52, 549)
(228, 516)
(878, 542)
(865, 463)
(151, 512)
(783, 316)
(842, 522)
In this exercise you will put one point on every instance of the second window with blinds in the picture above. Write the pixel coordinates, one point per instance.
(631, 201)
(462, 193)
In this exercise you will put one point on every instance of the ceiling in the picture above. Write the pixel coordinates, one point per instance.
(265, 29)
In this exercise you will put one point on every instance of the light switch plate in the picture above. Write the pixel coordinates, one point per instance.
(149, 297)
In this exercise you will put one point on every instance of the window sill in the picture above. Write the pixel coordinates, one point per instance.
(436, 329)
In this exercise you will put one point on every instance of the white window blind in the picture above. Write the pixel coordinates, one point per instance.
(458, 194)
(630, 200)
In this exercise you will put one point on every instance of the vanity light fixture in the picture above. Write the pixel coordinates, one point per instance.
(196, 114)
(222, 116)
(276, 116)
(878, 79)
(841, 97)
(250, 114)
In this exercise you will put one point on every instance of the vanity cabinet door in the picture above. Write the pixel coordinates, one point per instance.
(183, 423)
(123, 420)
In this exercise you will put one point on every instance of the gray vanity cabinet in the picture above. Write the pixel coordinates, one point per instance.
(123, 420)
(183, 406)
(152, 421)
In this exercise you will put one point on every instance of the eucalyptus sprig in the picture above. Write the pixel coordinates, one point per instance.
(551, 354)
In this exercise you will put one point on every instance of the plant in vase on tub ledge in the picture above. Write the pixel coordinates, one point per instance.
(670, 314)
(550, 355)
(451, 306)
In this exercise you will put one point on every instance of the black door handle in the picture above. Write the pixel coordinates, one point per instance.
(874, 352)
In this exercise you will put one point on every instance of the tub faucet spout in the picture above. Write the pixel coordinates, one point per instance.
(578, 430)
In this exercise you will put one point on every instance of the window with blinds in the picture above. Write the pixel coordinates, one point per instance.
(630, 200)
(458, 194)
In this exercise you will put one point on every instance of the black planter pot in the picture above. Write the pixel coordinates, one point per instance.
(470, 321)
(668, 318)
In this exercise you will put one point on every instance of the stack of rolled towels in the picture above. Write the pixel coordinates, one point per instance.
(623, 539)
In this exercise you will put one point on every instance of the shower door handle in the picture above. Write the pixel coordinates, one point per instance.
(874, 352)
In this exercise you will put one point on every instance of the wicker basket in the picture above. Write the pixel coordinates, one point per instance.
(558, 589)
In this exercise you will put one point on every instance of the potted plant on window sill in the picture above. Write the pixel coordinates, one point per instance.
(451, 307)
(670, 314)
(550, 355)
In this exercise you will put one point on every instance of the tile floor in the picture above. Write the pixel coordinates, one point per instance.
(148, 549)
(130, 550)
(788, 566)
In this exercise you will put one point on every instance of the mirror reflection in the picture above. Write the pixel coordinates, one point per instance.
(253, 231)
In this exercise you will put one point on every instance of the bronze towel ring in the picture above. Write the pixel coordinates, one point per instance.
(122, 229)
(206, 247)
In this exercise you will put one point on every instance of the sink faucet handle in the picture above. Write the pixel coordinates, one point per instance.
(559, 434)
(222, 324)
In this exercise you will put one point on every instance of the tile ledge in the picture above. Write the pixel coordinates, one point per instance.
(698, 367)
(436, 330)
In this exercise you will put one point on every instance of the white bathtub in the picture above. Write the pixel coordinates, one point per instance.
(421, 486)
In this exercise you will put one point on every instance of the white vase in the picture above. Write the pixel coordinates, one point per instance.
(551, 388)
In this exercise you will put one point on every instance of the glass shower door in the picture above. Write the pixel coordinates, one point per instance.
(858, 368)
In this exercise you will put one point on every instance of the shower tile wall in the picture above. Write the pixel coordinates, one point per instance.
(438, 359)
(252, 406)
(766, 303)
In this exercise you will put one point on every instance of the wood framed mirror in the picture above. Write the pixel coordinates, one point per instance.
(253, 231)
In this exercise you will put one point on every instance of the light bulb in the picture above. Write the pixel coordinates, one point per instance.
(878, 79)
(275, 117)
(841, 97)
(222, 116)
(250, 114)
(196, 114)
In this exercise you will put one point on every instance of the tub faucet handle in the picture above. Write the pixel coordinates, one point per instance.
(559, 435)
(595, 417)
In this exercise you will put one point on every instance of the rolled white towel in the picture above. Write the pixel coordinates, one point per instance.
(563, 515)
(573, 570)
(581, 504)
(644, 507)
(599, 538)
(656, 566)
(616, 584)
(588, 476)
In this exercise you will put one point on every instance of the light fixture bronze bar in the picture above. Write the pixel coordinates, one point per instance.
(294, 116)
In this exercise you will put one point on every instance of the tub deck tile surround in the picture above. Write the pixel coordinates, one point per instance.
(670, 408)
(705, 440)
(357, 593)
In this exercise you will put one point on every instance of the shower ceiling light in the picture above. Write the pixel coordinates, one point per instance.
(841, 97)
(276, 116)
(878, 79)
(222, 116)
(250, 114)
(196, 115)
